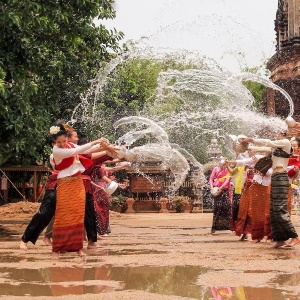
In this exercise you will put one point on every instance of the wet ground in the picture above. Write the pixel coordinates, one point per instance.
(150, 256)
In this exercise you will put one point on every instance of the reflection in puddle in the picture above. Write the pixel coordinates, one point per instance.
(247, 293)
(178, 280)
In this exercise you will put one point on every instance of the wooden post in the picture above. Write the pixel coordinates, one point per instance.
(34, 185)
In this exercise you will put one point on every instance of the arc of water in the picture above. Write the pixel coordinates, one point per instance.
(268, 83)
(132, 136)
(157, 131)
(199, 179)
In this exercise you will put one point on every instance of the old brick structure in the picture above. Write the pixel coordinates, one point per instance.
(285, 63)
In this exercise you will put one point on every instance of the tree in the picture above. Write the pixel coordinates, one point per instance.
(48, 52)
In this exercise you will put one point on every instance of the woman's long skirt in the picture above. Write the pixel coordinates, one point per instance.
(68, 228)
(222, 212)
(101, 204)
(243, 225)
(282, 227)
(259, 199)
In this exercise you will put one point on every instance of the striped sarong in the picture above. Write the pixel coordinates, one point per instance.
(282, 227)
(68, 228)
(243, 225)
(290, 200)
(259, 200)
(267, 225)
(221, 212)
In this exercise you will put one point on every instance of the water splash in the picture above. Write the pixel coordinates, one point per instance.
(170, 159)
(268, 83)
(132, 136)
(189, 107)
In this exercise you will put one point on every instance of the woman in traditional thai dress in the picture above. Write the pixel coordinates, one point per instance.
(282, 227)
(220, 179)
(68, 228)
(255, 198)
(101, 198)
(243, 223)
(238, 179)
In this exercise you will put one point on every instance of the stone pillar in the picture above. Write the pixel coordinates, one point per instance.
(163, 203)
(297, 18)
(130, 202)
(271, 102)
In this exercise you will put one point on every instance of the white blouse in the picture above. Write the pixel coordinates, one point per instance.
(284, 144)
(250, 162)
(60, 153)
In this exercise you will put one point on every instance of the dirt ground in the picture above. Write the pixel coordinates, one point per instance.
(147, 256)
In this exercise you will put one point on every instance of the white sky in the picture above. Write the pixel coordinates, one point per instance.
(219, 29)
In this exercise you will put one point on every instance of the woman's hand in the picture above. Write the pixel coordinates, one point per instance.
(99, 141)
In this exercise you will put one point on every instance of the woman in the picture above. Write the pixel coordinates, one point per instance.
(101, 198)
(282, 227)
(68, 228)
(243, 224)
(221, 215)
(238, 178)
(255, 198)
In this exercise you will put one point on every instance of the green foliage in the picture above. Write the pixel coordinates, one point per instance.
(126, 92)
(178, 202)
(118, 202)
(257, 90)
(134, 82)
(48, 52)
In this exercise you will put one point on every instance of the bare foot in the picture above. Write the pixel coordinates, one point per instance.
(255, 241)
(244, 237)
(91, 245)
(47, 241)
(264, 240)
(23, 246)
(279, 244)
(81, 253)
(293, 242)
(55, 255)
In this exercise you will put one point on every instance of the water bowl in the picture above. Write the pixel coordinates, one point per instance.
(290, 121)
(111, 187)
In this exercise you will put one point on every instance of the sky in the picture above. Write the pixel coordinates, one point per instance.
(235, 33)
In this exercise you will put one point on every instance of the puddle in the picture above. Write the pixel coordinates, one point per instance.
(287, 279)
(178, 280)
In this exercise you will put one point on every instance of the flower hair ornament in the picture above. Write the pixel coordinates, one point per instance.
(54, 129)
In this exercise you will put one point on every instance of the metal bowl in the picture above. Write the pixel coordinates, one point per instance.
(111, 187)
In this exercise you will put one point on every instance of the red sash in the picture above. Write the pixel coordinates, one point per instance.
(67, 162)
